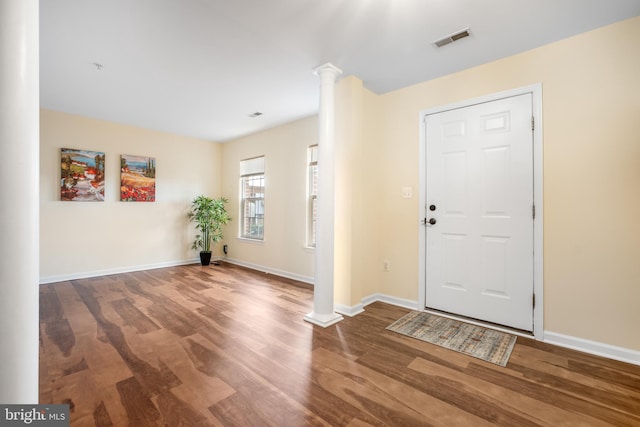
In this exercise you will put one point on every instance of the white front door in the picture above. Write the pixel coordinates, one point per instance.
(479, 199)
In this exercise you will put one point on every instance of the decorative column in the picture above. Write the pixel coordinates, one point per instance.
(323, 314)
(19, 201)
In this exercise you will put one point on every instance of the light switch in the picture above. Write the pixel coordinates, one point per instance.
(407, 192)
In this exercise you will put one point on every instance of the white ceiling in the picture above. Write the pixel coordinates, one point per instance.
(201, 67)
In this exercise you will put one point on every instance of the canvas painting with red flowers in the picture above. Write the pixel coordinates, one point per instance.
(137, 178)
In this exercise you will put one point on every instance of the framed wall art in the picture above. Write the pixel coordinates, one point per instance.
(137, 178)
(81, 175)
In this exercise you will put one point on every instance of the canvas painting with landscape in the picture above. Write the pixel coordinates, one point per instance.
(137, 178)
(81, 175)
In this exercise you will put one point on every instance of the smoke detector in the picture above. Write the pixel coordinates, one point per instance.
(452, 38)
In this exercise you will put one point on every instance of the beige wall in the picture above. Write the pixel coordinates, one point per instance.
(591, 105)
(284, 247)
(80, 239)
(371, 224)
(348, 150)
(358, 259)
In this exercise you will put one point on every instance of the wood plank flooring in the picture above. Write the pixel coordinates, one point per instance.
(227, 346)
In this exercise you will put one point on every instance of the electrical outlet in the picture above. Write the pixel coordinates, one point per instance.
(386, 265)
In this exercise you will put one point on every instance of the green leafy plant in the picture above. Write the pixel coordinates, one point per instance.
(209, 216)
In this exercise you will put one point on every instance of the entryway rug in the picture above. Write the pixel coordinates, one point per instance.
(476, 341)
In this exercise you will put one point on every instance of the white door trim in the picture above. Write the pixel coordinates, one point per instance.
(538, 255)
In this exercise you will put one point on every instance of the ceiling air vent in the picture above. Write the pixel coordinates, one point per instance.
(452, 38)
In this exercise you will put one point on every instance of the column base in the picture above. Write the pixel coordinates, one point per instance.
(324, 320)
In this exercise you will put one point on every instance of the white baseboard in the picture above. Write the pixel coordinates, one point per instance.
(96, 273)
(268, 270)
(592, 347)
(359, 308)
(345, 310)
(400, 302)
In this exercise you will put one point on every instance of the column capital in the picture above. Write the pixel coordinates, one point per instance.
(327, 68)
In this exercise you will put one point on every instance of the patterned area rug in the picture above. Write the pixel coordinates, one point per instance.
(482, 343)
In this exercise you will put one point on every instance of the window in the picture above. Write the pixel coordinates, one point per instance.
(312, 194)
(252, 198)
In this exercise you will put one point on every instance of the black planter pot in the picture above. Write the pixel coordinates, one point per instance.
(205, 258)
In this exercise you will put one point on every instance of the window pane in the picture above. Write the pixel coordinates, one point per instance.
(253, 214)
(314, 203)
(252, 210)
(313, 180)
(254, 227)
(253, 186)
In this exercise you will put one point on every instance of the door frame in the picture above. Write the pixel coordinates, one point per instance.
(538, 256)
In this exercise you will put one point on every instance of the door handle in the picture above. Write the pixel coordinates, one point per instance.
(431, 221)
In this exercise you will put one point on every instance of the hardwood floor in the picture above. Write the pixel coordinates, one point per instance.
(226, 346)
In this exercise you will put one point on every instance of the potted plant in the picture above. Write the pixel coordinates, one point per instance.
(209, 215)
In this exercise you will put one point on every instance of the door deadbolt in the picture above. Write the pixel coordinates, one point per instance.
(432, 207)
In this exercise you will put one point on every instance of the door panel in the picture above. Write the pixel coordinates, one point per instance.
(479, 173)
